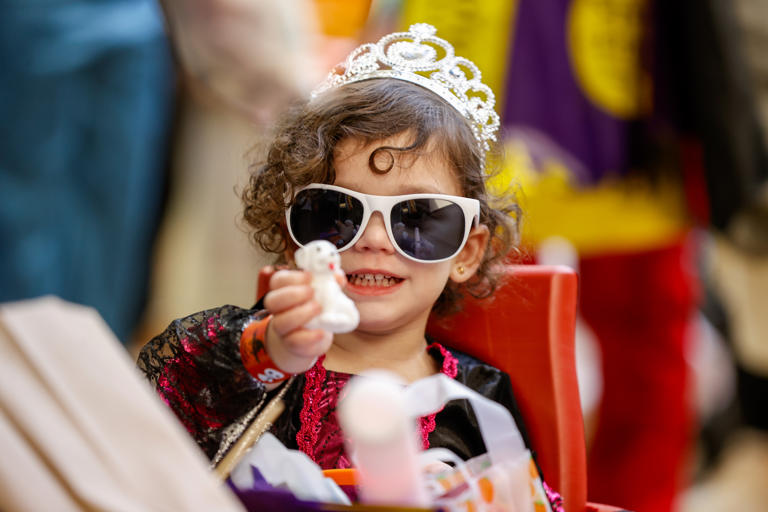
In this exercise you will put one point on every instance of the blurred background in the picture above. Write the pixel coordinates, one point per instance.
(634, 132)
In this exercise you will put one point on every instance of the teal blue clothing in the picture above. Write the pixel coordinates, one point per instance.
(86, 97)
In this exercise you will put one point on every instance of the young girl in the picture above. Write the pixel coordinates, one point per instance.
(387, 161)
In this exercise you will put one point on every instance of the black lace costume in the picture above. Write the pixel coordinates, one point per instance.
(196, 368)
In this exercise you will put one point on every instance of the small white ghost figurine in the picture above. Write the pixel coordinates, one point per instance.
(321, 258)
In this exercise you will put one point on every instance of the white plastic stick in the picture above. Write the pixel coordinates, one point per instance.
(382, 440)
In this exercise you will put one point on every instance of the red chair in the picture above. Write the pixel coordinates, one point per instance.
(527, 329)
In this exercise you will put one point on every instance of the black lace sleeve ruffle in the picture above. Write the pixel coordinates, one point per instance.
(195, 367)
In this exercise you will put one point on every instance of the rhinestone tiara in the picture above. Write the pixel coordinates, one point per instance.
(420, 57)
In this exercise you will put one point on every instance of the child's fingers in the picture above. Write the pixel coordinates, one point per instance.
(287, 297)
(285, 277)
(307, 343)
(295, 317)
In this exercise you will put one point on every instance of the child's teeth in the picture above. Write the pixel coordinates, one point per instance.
(372, 280)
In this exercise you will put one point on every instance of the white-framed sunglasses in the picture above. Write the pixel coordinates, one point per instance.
(427, 228)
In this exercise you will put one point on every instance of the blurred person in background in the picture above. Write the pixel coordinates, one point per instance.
(638, 125)
(88, 94)
(86, 98)
(591, 140)
(737, 264)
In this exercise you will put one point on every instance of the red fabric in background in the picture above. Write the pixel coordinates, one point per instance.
(639, 306)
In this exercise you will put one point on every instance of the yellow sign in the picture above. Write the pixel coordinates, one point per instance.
(479, 30)
(604, 39)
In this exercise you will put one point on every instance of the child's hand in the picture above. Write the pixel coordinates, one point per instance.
(291, 301)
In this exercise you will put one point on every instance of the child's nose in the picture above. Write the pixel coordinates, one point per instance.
(375, 237)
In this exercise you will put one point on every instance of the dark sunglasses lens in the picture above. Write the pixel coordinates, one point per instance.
(428, 229)
(319, 214)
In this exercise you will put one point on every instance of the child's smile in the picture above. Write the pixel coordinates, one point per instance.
(372, 281)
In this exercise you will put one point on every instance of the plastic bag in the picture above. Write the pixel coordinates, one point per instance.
(505, 478)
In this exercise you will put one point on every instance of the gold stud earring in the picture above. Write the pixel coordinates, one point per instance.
(460, 269)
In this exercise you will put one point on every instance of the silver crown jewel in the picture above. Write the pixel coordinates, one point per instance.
(420, 57)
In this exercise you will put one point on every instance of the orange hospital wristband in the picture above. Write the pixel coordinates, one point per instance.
(253, 352)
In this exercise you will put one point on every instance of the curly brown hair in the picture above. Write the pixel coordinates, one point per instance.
(302, 152)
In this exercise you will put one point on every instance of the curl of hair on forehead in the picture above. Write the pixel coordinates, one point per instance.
(377, 154)
(384, 158)
(303, 151)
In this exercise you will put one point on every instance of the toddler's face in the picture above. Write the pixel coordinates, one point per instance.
(391, 292)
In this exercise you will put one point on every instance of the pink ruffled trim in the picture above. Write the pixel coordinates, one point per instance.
(450, 364)
(449, 368)
(311, 412)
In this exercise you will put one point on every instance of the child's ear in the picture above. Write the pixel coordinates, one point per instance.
(465, 263)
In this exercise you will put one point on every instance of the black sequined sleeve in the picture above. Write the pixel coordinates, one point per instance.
(195, 367)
